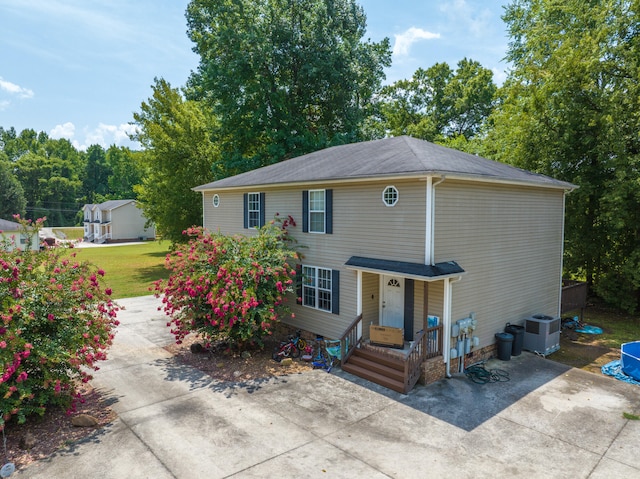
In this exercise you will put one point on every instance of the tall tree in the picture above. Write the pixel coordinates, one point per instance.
(440, 104)
(284, 77)
(179, 155)
(126, 172)
(96, 175)
(570, 109)
(12, 199)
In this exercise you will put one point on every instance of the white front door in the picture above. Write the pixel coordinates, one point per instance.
(392, 301)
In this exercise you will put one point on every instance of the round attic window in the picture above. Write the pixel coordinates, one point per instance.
(390, 196)
(216, 201)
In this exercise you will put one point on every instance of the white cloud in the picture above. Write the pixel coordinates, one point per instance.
(14, 89)
(104, 135)
(405, 40)
(67, 131)
(4, 105)
(472, 17)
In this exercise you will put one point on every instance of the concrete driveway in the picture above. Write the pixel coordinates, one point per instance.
(548, 421)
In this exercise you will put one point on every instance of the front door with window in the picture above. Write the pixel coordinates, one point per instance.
(392, 301)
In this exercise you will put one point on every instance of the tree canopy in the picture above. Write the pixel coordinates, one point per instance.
(178, 155)
(283, 77)
(569, 108)
(439, 103)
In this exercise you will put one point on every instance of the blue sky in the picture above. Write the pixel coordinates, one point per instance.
(79, 69)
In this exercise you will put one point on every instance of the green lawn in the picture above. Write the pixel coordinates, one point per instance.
(129, 270)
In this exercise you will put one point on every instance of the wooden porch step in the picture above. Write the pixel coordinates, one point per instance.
(377, 367)
(380, 369)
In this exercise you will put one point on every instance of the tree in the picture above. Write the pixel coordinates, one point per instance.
(569, 109)
(439, 104)
(125, 172)
(284, 77)
(179, 155)
(96, 175)
(12, 201)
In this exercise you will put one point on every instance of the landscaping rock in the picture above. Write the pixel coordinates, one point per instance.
(287, 362)
(28, 441)
(84, 420)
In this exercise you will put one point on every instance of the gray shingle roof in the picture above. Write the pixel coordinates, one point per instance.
(6, 225)
(113, 204)
(389, 157)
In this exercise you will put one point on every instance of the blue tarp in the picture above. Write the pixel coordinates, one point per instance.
(614, 368)
(587, 329)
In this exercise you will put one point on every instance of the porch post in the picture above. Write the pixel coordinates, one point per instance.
(446, 322)
(359, 301)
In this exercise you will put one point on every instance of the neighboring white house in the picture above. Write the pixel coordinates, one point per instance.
(399, 230)
(11, 235)
(115, 220)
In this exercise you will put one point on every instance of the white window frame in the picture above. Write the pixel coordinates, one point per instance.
(315, 211)
(317, 290)
(390, 193)
(253, 206)
(215, 200)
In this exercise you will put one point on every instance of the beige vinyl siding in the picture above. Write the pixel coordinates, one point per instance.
(509, 241)
(227, 218)
(362, 226)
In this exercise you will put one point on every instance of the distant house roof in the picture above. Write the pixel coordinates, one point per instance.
(401, 156)
(6, 225)
(108, 205)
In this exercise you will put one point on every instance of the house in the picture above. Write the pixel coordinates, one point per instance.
(11, 237)
(402, 234)
(114, 221)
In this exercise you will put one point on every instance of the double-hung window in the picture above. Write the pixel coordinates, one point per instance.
(317, 211)
(316, 287)
(254, 210)
(319, 288)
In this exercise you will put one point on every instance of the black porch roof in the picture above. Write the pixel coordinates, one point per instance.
(424, 272)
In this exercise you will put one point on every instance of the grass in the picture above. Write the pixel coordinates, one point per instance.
(592, 351)
(129, 270)
(69, 232)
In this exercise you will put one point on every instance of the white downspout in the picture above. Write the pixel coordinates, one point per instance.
(429, 244)
(446, 323)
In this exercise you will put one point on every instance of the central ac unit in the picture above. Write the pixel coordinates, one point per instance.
(541, 334)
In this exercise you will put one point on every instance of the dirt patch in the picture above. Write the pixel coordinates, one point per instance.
(584, 351)
(232, 366)
(54, 430)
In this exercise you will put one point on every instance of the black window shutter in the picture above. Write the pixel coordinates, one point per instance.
(246, 210)
(328, 216)
(335, 291)
(305, 211)
(262, 205)
(299, 283)
(408, 309)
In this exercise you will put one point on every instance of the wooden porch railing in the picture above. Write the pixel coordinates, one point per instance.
(350, 340)
(416, 357)
(434, 341)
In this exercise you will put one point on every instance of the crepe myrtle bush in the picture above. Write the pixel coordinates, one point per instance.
(229, 288)
(56, 322)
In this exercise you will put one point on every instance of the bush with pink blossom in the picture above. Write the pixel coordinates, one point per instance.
(229, 288)
(56, 322)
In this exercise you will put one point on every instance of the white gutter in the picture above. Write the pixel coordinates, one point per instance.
(560, 185)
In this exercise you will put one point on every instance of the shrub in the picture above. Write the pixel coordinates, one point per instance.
(56, 324)
(229, 288)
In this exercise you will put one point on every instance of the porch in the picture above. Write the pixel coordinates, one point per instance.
(394, 368)
(400, 296)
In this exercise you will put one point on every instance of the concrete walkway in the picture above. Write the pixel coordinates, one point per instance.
(548, 421)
